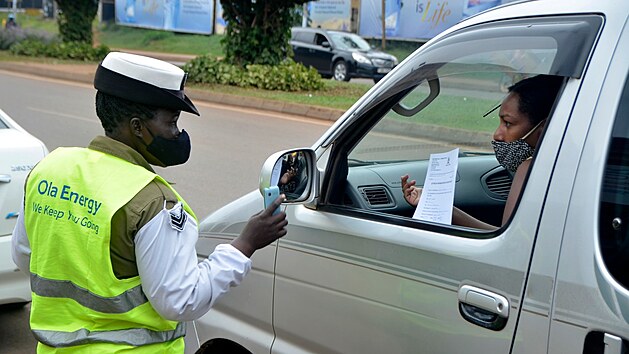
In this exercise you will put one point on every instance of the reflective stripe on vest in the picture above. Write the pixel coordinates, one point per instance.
(122, 303)
(134, 336)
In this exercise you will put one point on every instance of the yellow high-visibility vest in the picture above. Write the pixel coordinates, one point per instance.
(78, 303)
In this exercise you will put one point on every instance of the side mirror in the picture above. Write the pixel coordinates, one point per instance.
(294, 172)
(325, 44)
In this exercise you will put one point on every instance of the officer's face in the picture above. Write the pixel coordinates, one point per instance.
(164, 124)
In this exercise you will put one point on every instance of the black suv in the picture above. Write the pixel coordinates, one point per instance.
(339, 55)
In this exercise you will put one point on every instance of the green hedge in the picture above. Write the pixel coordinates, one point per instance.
(11, 36)
(70, 50)
(287, 76)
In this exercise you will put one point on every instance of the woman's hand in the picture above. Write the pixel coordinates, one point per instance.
(411, 193)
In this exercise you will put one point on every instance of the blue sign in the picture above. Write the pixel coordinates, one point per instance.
(193, 16)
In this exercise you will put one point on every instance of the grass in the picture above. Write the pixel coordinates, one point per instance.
(334, 94)
(123, 37)
(115, 36)
(338, 95)
(37, 22)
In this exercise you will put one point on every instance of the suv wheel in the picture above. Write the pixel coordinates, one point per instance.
(340, 71)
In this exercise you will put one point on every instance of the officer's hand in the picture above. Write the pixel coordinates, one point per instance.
(262, 229)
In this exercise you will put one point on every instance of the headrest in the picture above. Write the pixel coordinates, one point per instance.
(143, 80)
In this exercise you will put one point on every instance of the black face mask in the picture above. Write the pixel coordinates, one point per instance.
(170, 152)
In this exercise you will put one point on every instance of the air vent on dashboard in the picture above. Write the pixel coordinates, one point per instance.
(499, 183)
(376, 196)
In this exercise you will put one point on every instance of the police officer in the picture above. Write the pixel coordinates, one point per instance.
(109, 244)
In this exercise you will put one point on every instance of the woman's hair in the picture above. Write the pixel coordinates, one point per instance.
(537, 95)
(112, 111)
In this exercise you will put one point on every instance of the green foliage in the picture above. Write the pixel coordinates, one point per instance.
(60, 50)
(75, 20)
(258, 31)
(286, 76)
(11, 36)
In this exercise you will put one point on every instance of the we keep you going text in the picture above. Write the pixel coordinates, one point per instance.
(80, 204)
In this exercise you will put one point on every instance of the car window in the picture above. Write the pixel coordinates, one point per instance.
(319, 39)
(302, 36)
(349, 41)
(614, 208)
(512, 45)
(446, 99)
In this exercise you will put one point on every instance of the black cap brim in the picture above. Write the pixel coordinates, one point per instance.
(115, 84)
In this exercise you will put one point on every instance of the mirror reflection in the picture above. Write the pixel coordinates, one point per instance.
(290, 174)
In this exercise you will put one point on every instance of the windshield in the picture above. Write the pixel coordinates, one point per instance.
(349, 41)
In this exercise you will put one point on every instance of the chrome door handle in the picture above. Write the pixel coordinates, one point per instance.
(613, 344)
(5, 178)
(483, 308)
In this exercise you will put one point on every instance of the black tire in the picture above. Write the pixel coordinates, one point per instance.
(340, 72)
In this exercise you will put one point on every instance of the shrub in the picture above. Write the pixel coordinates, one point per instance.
(10, 36)
(59, 50)
(287, 76)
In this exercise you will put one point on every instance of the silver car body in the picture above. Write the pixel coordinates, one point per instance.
(350, 280)
(19, 152)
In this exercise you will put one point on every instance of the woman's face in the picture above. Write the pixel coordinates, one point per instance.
(513, 123)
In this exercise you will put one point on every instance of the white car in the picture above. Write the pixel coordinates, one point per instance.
(358, 273)
(19, 152)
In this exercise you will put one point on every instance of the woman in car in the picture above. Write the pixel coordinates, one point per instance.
(523, 114)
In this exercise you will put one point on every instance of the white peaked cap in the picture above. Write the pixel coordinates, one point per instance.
(144, 80)
(149, 70)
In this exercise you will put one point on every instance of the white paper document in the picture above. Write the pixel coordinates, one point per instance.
(437, 198)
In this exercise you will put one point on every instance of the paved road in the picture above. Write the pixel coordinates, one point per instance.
(228, 148)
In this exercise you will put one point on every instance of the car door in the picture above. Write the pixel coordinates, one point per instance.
(356, 273)
(304, 47)
(590, 308)
(567, 304)
(19, 152)
(323, 53)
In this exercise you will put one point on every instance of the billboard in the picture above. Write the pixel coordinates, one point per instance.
(417, 19)
(404, 19)
(192, 16)
(329, 14)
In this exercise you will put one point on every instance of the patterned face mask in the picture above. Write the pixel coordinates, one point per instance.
(511, 154)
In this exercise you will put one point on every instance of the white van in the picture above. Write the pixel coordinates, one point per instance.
(19, 152)
(356, 273)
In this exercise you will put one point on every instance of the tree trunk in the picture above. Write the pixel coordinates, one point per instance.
(258, 31)
(75, 20)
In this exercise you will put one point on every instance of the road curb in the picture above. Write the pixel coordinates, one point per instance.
(85, 74)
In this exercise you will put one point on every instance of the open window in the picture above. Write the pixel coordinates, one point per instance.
(440, 99)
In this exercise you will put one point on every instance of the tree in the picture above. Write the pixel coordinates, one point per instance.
(75, 20)
(258, 31)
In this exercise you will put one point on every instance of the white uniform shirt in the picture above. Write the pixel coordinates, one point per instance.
(175, 283)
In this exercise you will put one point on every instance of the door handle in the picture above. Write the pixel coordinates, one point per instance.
(483, 308)
(613, 344)
(5, 178)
